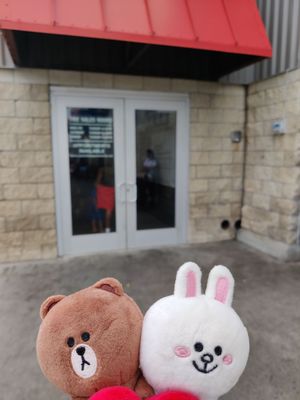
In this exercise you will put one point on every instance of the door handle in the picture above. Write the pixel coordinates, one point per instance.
(132, 199)
(121, 192)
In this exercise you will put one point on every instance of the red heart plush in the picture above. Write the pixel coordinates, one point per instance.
(124, 393)
(115, 393)
(174, 395)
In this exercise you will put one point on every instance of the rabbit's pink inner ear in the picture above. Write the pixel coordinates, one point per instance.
(222, 288)
(191, 284)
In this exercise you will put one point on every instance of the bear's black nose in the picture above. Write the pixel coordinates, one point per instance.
(80, 351)
(207, 358)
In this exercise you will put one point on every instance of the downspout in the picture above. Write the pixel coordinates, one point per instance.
(298, 231)
(244, 156)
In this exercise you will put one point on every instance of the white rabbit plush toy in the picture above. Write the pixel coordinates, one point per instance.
(192, 342)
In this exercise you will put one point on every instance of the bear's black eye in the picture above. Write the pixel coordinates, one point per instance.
(70, 342)
(85, 336)
(198, 346)
(218, 350)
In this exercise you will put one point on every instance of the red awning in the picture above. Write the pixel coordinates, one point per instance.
(231, 26)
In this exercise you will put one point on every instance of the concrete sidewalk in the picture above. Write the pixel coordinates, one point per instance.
(267, 296)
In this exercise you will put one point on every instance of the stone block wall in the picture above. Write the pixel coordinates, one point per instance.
(272, 174)
(27, 216)
(27, 210)
(216, 164)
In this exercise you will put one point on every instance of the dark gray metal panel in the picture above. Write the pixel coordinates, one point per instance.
(5, 57)
(282, 22)
(294, 33)
(267, 12)
(274, 35)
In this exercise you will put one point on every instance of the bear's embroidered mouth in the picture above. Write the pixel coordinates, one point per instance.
(204, 370)
(84, 361)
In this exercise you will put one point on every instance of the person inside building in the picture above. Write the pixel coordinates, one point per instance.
(96, 215)
(105, 196)
(150, 173)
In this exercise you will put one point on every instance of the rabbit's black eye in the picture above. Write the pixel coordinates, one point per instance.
(70, 342)
(198, 346)
(218, 350)
(85, 336)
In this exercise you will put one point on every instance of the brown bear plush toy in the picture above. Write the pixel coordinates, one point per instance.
(90, 340)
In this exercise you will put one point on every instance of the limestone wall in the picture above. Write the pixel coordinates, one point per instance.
(27, 220)
(27, 210)
(216, 164)
(270, 211)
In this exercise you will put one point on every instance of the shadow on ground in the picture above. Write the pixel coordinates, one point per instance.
(267, 297)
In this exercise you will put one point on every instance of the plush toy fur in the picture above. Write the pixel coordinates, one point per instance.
(123, 393)
(90, 340)
(193, 342)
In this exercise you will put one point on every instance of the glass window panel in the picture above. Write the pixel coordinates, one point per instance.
(155, 166)
(91, 157)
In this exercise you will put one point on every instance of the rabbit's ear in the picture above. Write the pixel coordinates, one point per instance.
(220, 285)
(188, 281)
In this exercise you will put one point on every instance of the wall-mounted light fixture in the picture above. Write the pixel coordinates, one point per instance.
(236, 136)
(279, 127)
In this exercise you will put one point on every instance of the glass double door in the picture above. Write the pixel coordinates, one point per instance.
(119, 172)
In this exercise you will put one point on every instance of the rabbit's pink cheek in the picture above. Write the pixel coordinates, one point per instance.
(227, 360)
(182, 351)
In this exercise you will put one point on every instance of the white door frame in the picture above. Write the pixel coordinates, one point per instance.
(162, 236)
(98, 98)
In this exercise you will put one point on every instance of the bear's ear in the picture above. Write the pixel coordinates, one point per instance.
(49, 303)
(220, 285)
(110, 285)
